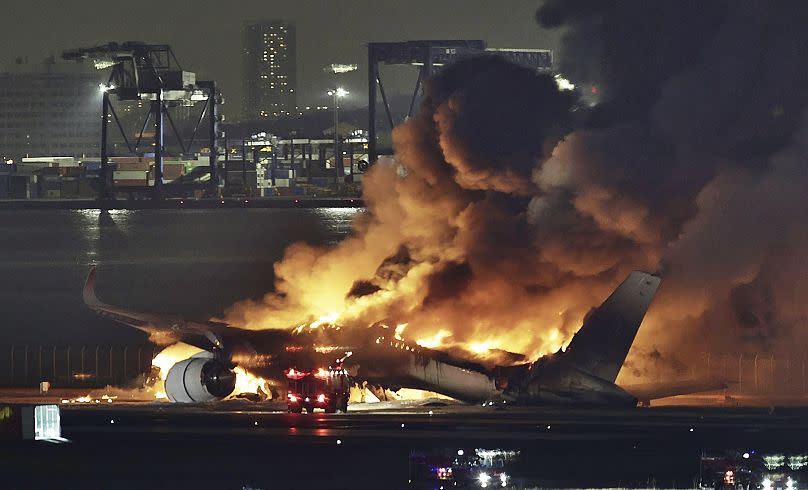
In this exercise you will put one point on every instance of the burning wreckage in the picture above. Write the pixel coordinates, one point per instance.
(220, 359)
(497, 225)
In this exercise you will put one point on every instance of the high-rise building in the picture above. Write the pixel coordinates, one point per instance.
(270, 70)
(50, 109)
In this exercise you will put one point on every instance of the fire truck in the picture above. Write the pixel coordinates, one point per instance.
(328, 389)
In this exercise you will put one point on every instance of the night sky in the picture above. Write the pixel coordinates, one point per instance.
(207, 34)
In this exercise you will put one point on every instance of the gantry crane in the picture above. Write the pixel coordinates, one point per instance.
(150, 72)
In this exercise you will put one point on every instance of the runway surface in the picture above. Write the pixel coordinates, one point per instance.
(240, 444)
(435, 421)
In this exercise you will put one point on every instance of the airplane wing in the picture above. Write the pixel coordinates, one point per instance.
(652, 391)
(163, 329)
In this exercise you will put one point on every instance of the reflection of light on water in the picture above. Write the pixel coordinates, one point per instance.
(338, 219)
(89, 222)
(88, 213)
(92, 222)
(120, 216)
(338, 213)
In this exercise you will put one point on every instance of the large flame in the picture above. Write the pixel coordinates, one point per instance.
(174, 353)
(246, 382)
(491, 230)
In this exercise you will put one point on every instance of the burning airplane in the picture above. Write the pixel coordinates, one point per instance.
(585, 372)
(494, 230)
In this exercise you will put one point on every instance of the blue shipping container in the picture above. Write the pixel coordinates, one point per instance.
(321, 181)
(282, 173)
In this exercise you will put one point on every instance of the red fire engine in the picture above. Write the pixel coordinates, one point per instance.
(328, 389)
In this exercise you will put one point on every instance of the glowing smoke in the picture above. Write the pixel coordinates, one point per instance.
(501, 224)
(446, 244)
(696, 160)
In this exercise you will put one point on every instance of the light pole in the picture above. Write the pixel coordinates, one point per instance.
(337, 93)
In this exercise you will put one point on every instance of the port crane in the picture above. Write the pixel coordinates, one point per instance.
(151, 72)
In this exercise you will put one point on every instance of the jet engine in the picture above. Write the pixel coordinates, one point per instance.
(200, 378)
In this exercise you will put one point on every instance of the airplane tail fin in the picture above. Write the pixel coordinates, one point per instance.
(602, 343)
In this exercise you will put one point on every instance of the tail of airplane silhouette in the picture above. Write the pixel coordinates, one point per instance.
(601, 345)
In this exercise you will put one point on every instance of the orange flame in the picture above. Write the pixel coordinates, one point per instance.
(246, 382)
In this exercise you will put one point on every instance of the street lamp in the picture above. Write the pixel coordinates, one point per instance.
(337, 93)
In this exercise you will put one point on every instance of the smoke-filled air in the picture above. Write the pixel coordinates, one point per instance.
(512, 207)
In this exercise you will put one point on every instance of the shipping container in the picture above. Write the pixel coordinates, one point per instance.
(281, 173)
(49, 183)
(321, 181)
(200, 162)
(50, 161)
(239, 166)
(129, 175)
(70, 171)
(70, 187)
(86, 187)
(49, 171)
(173, 171)
(237, 178)
(131, 182)
(124, 160)
(131, 167)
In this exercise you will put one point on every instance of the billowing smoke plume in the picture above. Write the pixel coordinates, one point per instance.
(503, 221)
(698, 155)
(446, 245)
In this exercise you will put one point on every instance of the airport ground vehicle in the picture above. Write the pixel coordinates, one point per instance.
(328, 389)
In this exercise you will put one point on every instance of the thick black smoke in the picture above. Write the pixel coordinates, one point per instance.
(498, 226)
(697, 155)
(447, 246)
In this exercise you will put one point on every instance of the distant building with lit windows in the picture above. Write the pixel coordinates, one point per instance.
(49, 109)
(270, 67)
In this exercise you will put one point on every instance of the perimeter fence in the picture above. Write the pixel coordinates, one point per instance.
(67, 366)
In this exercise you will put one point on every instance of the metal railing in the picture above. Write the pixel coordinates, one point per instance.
(74, 366)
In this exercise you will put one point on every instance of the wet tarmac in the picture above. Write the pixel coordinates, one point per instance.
(240, 444)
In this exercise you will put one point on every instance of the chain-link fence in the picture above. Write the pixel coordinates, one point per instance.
(100, 365)
(67, 366)
(758, 374)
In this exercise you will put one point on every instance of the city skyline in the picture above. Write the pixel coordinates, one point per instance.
(208, 39)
